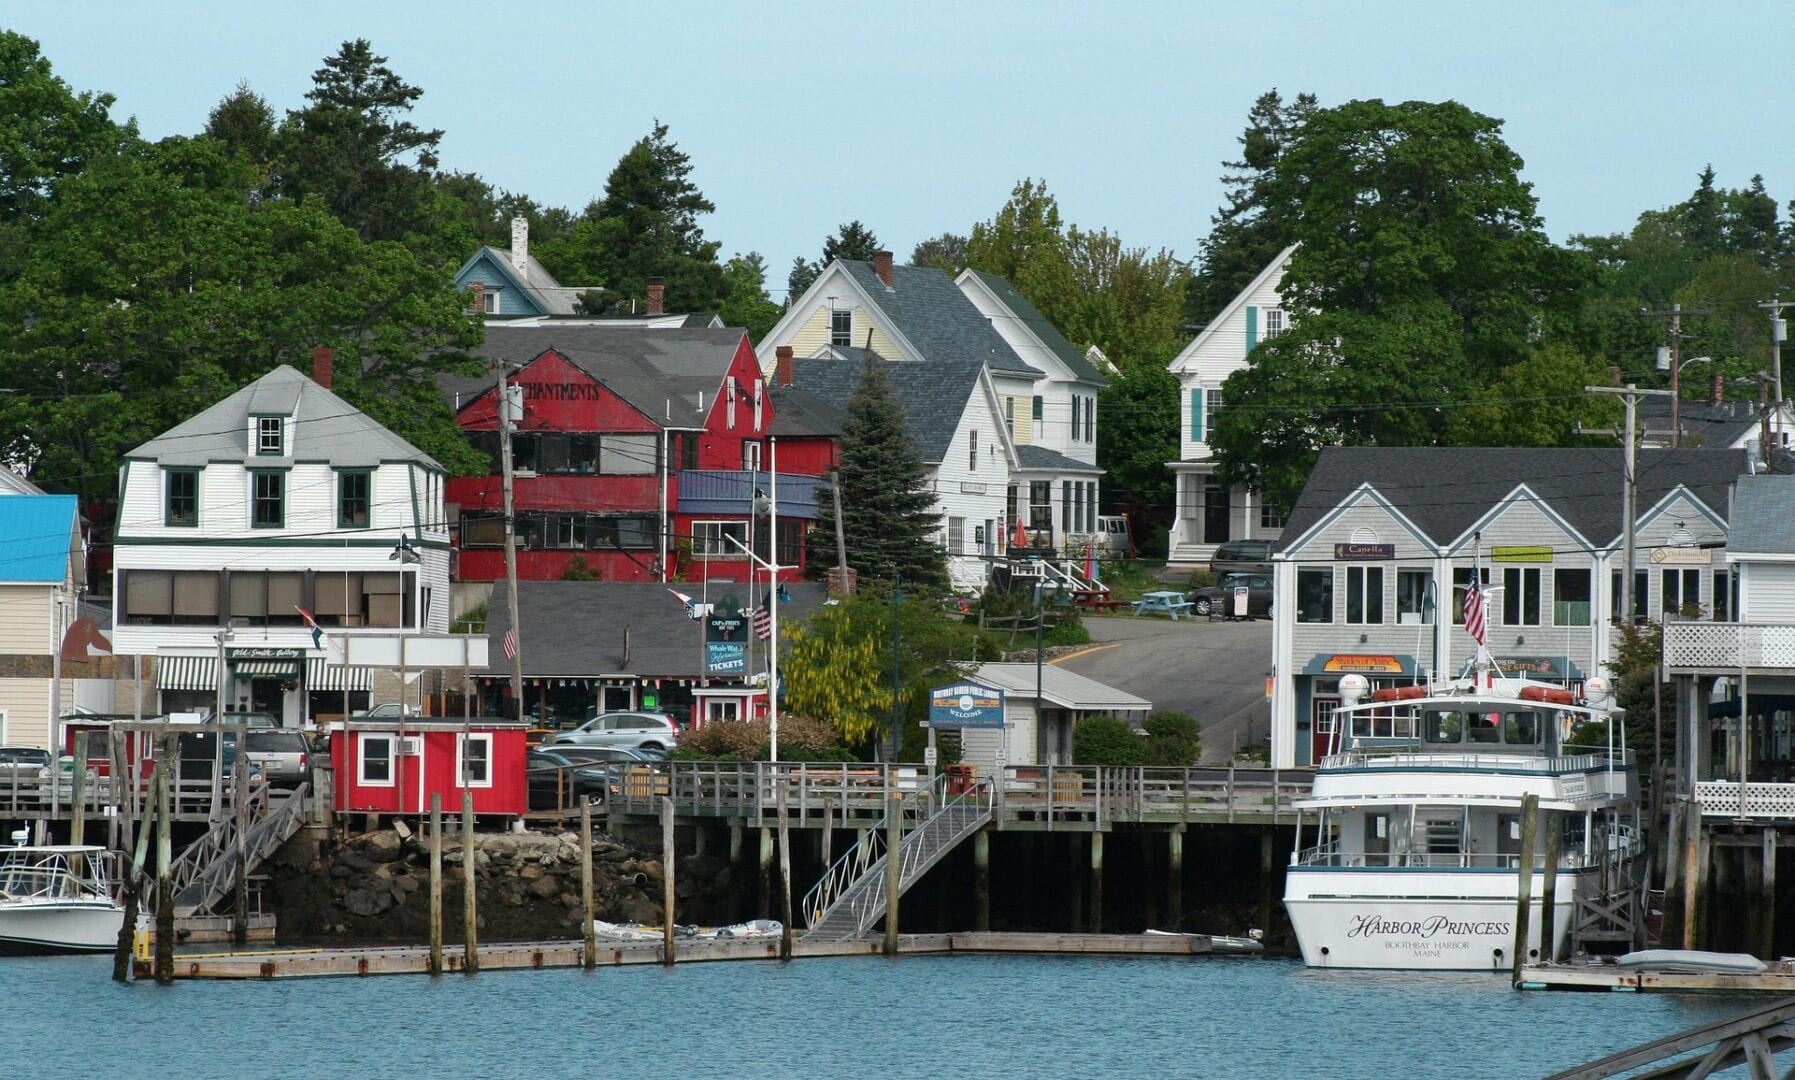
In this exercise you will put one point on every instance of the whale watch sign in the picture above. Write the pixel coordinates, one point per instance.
(966, 705)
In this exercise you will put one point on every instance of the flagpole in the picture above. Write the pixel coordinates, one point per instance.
(772, 594)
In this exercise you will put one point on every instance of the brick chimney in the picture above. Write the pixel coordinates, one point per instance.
(1716, 389)
(657, 296)
(882, 266)
(520, 243)
(323, 366)
(782, 366)
(477, 302)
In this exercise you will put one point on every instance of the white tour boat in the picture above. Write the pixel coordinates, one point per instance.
(1409, 843)
(57, 900)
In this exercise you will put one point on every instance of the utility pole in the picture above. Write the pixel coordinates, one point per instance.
(1779, 329)
(1630, 479)
(509, 413)
(1675, 314)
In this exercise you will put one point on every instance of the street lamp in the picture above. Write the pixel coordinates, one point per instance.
(1668, 362)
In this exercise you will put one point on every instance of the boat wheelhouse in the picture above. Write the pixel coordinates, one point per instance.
(57, 900)
(1413, 859)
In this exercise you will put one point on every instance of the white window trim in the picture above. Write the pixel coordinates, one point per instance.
(1275, 323)
(700, 546)
(361, 760)
(461, 742)
(848, 333)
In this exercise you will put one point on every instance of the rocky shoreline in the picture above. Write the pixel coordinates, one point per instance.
(376, 886)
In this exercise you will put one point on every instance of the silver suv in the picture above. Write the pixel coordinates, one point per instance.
(283, 755)
(630, 730)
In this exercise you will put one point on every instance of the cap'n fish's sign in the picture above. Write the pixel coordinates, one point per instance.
(966, 705)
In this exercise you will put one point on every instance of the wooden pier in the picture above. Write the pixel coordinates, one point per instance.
(415, 959)
(1778, 978)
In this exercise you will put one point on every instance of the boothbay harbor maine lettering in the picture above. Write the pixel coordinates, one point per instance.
(454, 556)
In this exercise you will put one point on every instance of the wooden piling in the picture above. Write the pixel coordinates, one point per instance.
(1096, 882)
(240, 799)
(1074, 895)
(667, 864)
(436, 883)
(894, 842)
(1524, 882)
(763, 908)
(1694, 871)
(785, 879)
(981, 880)
(165, 892)
(738, 895)
(1266, 854)
(1670, 929)
(589, 932)
(470, 892)
(78, 792)
(828, 837)
(1175, 877)
(1548, 912)
(1767, 897)
(133, 884)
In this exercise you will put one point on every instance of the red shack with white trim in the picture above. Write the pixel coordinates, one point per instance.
(385, 767)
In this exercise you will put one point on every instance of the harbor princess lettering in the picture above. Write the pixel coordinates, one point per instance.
(1376, 925)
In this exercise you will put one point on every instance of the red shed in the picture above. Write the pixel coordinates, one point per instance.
(383, 767)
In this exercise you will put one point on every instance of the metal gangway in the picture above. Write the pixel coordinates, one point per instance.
(851, 896)
(1751, 1039)
(206, 871)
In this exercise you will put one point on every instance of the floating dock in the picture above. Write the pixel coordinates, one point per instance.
(501, 956)
(1778, 978)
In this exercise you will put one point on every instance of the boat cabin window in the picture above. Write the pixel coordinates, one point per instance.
(1377, 839)
(1513, 728)
(1521, 728)
(1387, 723)
(1485, 727)
(1443, 726)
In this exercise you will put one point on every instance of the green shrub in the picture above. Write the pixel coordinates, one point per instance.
(800, 739)
(1173, 738)
(1104, 740)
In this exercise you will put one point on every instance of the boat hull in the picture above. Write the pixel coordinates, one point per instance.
(49, 929)
(1416, 933)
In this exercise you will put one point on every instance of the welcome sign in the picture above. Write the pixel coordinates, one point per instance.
(966, 705)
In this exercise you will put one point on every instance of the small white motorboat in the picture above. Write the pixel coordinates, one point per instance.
(57, 900)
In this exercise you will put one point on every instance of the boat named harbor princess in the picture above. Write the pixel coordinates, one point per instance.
(1411, 860)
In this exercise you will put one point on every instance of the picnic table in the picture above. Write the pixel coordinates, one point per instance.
(1169, 602)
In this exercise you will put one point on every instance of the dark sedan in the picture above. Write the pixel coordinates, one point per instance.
(1220, 598)
(560, 778)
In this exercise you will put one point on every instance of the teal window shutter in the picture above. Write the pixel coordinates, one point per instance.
(1196, 415)
(1252, 328)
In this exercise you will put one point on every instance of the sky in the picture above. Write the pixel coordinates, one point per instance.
(918, 117)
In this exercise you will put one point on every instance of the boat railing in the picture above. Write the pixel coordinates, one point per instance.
(1396, 757)
(1624, 842)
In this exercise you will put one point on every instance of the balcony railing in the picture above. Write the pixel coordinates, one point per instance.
(1726, 647)
(1731, 799)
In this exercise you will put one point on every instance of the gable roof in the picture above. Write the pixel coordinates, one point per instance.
(934, 395)
(798, 412)
(925, 306)
(1276, 266)
(37, 537)
(550, 296)
(663, 639)
(1040, 326)
(1032, 456)
(1763, 518)
(325, 428)
(1444, 491)
(1704, 423)
(648, 368)
(1067, 689)
(11, 483)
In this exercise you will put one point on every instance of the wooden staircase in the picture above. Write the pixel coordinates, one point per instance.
(207, 870)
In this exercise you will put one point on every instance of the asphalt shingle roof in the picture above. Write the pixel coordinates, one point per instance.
(1763, 521)
(927, 307)
(1704, 424)
(801, 413)
(325, 428)
(645, 367)
(663, 642)
(1044, 330)
(1443, 490)
(934, 394)
(1029, 456)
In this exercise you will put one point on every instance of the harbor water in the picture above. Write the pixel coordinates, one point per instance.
(935, 1016)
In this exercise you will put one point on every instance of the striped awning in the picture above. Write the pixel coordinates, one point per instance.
(187, 672)
(265, 669)
(321, 674)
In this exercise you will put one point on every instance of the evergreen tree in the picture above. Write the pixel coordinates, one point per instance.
(946, 252)
(852, 241)
(887, 509)
(1244, 236)
(747, 304)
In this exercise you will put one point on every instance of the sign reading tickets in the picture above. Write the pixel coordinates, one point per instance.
(1535, 553)
(1369, 552)
(1363, 663)
(966, 705)
(726, 657)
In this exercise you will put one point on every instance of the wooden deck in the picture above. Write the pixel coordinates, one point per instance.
(1597, 976)
(415, 959)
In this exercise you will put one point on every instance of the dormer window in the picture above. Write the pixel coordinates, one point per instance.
(270, 439)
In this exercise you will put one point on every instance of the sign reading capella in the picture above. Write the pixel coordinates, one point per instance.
(1365, 552)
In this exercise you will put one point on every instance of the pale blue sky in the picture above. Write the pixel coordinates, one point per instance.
(917, 116)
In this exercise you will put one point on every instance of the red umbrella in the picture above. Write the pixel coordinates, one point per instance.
(1021, 534)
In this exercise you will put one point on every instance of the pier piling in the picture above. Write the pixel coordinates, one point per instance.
(240, 806)
(1548, 911)
(1767, 897)
(1671, 928)
(589, 934)
(165, 891)
(1097, 882)
(1175, 877)
(1524, 882)
(894, 840)
(470, 892)
(78, 792)
(1265, 867)
(127, 930)
(785, 880)
(981, 880)
(1693, 871)
(436, 883)
(763, 899)
(667, 862)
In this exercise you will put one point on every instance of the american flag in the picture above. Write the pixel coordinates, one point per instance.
(763, 621)
(511, 644)
(1474, 623)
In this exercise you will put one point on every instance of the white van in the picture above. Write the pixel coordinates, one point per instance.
(1112, 532)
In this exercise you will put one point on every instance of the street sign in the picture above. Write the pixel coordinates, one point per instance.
(928, 756)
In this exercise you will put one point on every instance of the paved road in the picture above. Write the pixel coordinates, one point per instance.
(1214, 671)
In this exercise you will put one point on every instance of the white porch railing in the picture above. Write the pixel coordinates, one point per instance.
(1731, 799)
(1726, 647)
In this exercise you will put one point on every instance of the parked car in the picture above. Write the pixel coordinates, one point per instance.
(250, 719)
(1112, 531)
(392, 710)
(283, 755)
(1241, 555)
(1214, 598)
(561, 780)
(196, 755)
(20, 764)
(632, 730)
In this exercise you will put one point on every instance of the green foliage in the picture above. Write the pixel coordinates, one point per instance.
(838, 664)
(1173, 738)
(48, 132)
(890, 524)
(746, 303)
(1539, 400)
(578, 569)
(1104, 740)
(852, 241)
(1144, 397)
(473, 621)
(800, 739)
(1638, 652)
(946, 253)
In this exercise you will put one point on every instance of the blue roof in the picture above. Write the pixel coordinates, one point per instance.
(36, 535)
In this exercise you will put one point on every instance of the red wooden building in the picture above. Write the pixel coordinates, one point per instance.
(382, 767)
(621, 424)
